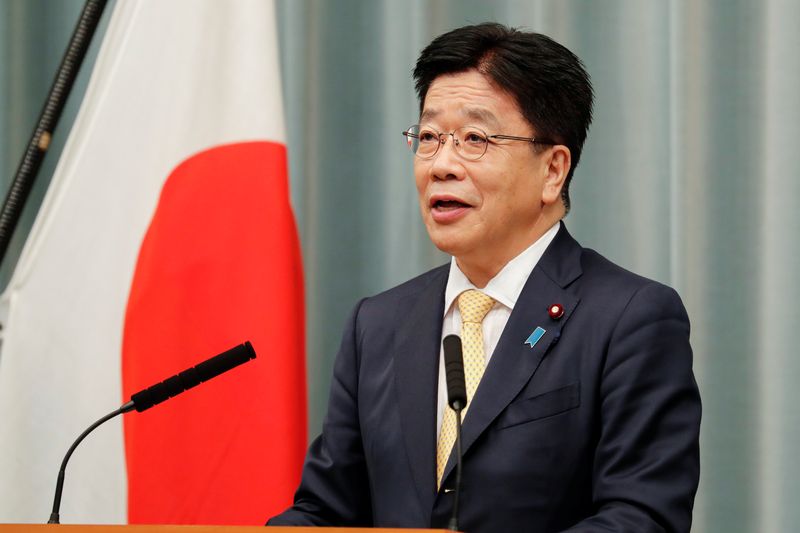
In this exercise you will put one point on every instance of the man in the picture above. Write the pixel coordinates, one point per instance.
(583, 413)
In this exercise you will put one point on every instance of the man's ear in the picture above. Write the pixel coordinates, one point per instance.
(558, 161)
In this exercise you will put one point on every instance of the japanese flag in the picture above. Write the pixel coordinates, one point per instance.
(166, 237)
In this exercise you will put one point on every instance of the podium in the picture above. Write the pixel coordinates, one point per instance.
(78, 528)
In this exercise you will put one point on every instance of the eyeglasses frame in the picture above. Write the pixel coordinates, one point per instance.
(489, 138)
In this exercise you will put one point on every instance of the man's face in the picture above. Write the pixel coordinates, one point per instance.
(483, 212)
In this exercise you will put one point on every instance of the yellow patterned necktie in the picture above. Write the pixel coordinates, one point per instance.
(473, 306)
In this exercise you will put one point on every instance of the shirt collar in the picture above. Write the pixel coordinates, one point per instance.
(507, 285)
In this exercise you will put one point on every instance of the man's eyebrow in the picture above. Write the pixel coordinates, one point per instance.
(428, 114)
(483, 116)
(473, 114)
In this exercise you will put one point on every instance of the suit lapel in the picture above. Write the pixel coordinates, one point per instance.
(416, 362)
(513, 361)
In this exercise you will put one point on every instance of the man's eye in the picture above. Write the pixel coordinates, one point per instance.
(428, 136)
(474, 138)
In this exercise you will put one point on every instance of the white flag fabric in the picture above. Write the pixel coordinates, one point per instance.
(165, 237)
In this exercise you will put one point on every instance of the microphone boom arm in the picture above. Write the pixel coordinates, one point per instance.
(54, 516)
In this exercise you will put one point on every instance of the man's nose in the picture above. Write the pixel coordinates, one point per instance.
(447, 163)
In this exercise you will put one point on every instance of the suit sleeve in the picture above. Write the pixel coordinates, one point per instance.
(646, 464)
(334, 490)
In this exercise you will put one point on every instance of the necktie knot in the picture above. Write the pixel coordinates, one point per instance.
(473, 305)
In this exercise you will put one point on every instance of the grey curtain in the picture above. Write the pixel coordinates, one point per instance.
(689, 176)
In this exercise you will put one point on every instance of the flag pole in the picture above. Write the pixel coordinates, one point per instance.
(48, 120)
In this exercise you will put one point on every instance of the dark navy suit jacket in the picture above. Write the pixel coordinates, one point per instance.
(594, 428)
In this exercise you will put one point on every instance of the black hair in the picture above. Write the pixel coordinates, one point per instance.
(548, 82)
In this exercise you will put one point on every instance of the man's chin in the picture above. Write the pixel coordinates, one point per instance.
(449, 241)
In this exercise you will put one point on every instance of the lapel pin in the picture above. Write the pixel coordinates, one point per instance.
(537, 334)
(556, 311)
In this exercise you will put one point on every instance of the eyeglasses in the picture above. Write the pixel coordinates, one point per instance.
(470, 142)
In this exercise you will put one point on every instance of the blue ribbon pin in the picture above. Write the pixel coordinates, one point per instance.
(537, 334)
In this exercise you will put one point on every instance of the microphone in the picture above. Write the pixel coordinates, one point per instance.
(457, 399)
(454, 373)
(191, 377)
(147, 398)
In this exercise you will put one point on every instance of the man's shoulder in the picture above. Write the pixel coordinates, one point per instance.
(596, 266)
(567, 262)
(383, 311)
(434, 279)
(603, 280)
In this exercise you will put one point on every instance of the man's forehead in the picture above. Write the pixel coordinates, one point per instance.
(475, 115)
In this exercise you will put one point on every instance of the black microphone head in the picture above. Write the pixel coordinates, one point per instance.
(191, 377)
(454, 372)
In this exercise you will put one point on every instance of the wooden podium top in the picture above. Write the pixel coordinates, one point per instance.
(78, 528)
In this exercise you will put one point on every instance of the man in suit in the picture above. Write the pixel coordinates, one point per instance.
(582, 410)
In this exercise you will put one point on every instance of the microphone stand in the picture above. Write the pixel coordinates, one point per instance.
(453, 524)
(54, 516)
(39, 142)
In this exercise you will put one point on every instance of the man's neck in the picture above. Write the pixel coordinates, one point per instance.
(478, 276)
(481, 267)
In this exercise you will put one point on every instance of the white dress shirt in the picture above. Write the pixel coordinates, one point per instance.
(505, 288)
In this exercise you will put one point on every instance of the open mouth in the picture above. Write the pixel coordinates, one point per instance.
(447, 209)
(448, 205)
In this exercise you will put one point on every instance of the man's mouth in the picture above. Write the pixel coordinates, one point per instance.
(448, 209)
(449, 205)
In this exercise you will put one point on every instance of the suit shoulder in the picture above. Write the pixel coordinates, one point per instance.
(380, 313)
(413, 286)
(610, 281)
(595, 265)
